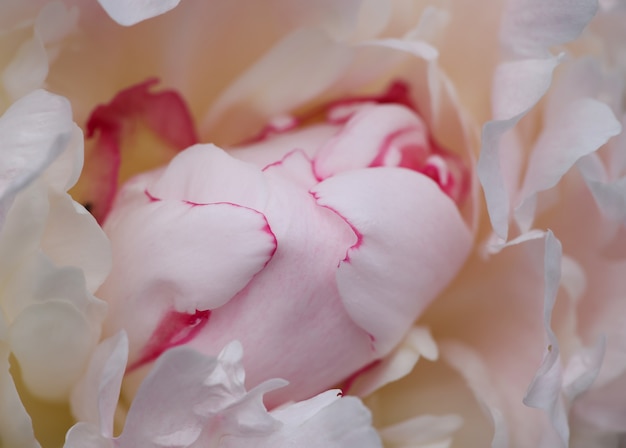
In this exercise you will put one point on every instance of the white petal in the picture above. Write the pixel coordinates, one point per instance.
(530, 27)
(129, 13)
(94, 398)
(577, 129)
(34, 130)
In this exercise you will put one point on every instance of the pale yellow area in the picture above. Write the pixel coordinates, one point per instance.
(50, 420)
(142, 150)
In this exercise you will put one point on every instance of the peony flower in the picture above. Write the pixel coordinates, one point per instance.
(522, 348)
(306, 241)
(207, 405)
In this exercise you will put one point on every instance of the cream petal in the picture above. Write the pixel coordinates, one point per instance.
(52, 342)
(15, 423)
(417, 343)
(299, 67)
(424, 431)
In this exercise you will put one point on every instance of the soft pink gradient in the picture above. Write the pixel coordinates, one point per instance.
(360, 242)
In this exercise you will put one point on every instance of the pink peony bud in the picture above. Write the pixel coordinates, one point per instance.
(317, 247)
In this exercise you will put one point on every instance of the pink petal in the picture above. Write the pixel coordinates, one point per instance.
(296, 293)
(374, 136)
(205, 173)
(207, 253)
(165, 113)
(404, 257)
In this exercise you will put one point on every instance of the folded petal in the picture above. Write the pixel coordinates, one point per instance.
(577, 129)
(205, 173)
(404, 257)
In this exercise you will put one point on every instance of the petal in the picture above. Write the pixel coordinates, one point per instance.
(28, 70)
(578, 128)
(422, 431)
(94, 398)
(85, 246)
(295, 293)
(417, 343)
(34, 130)
(530, 27)
(15, 424)
(166, 404)
(518, 86)
(373, 136)
(205, 173)
(52, 342)
(85, 435)
(130, 13)
(125, 143)
(298, 68)
(207, 253)
(326, 420)
(403, 258)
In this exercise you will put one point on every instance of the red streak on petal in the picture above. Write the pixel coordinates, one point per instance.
(152, 198)
(349, 382)
(165, 113)
(174, 329)
(397, 93)
(357, 234)
(276, 126)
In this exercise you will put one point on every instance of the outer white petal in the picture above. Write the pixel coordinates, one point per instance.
(325, 421)
(34, 130)
(530, 27)
(131, 12)
(190, 400)
(29, 67)
(15, 423)
(94, 398)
